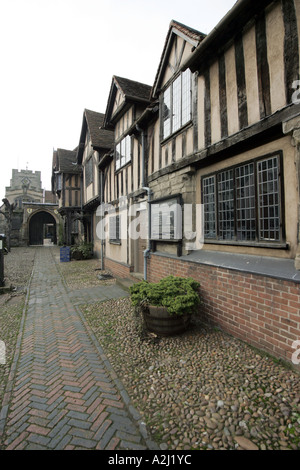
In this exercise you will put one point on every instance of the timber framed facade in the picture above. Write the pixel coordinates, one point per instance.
(124, 176)
(202, 176)
(66, 185)
(94, 142)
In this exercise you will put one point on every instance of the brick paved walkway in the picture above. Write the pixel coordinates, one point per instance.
(62, 392)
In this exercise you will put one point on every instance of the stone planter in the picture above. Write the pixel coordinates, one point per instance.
(159, 321)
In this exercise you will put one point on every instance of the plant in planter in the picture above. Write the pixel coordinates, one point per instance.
(82, 251)
(166, 305)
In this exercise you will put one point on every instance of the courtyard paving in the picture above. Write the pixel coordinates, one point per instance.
(81, 372)
(62, 393)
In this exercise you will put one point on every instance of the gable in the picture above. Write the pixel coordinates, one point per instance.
(119, 101)
(93, 135)
(123, 93)
(179, 45)
(180, 51)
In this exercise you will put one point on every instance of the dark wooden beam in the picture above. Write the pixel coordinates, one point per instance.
(262, 66)
(291, 46)
(223, 96)
(241, 81)
(207, 109)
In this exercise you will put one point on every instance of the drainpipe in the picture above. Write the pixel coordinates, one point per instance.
(142, 132)
(147, 251)
(81, 189)
(101, 202)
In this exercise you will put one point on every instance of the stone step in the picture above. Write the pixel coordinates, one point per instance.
(127, 282)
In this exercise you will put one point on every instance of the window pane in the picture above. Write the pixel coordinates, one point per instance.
(59, 182)
(114, 228)
(118, 156)
(269, 204)
(176, 102)
(123, 152)
(128, 148)
(209, 207)
(245, 202)
(167, 113)
(166, 220)
(186, 96)
(226, 205)
(89, 172)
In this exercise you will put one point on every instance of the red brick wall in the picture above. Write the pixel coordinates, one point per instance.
(263, 311)
(117, 269)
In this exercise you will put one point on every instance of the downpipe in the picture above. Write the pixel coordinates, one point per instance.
(101, 202)
(148, 250)
(149, 192)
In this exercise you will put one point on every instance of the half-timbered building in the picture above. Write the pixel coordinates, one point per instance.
(213, 165)
(124, 177)
(94, 142)
(66, 184)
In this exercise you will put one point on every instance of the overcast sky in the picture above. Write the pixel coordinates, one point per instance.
(58, 57)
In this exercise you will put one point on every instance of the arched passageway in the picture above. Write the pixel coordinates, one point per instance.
(42, 226)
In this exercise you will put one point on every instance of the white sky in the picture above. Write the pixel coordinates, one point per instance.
(58, 57)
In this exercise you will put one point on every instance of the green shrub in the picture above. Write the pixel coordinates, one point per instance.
(60, 234)
(178, 294)
(82, 251)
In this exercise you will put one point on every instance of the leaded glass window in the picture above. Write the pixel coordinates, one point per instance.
(89, 172)
(269, 208)
(114, 229)
(176, 108)
(243, 203)
(123, 152)
(226, 205)
(167, 113)
(209, 207)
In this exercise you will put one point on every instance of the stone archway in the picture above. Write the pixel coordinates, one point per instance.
(42, 226)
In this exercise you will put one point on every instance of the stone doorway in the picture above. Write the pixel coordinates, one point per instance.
(42, 229)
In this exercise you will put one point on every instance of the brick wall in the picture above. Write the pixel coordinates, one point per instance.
(263, 311)
(117, 269)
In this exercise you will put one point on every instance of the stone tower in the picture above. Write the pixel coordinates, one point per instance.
(25, 186)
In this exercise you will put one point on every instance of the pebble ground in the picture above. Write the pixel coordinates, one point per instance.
(203, 389)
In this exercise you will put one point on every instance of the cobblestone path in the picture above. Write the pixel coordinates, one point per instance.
(62, 392)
